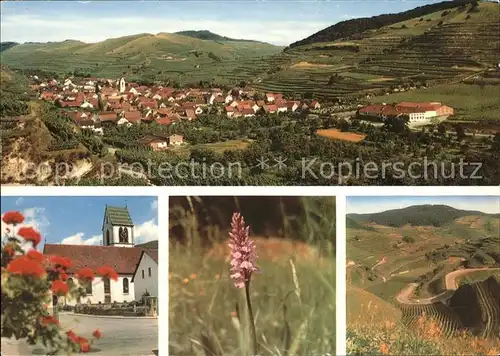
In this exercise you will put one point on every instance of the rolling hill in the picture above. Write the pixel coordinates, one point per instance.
(141, 56)
(208, 35)
(417, 215)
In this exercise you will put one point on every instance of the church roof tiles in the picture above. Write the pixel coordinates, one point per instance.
(118, 216)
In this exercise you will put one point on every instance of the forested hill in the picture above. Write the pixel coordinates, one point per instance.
(351, 28)
(417, 215)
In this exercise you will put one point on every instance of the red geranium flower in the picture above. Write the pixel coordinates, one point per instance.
(13, 218)
(109, 272)
(85, 275)
(9, 251)
(71, 336)
(35, 255)
(84, 344)
(25, 266)
(46, 320)
(30, 234)
(59, 287)
(63, 276)
(59, 261)
(97, 334)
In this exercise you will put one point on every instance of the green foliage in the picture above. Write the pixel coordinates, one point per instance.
(369, 341)
(409, 239)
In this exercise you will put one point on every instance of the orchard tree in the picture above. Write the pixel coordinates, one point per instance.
(29, 282)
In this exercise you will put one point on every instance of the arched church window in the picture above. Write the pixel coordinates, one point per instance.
(107, 286)
(88, 288)
(125, 285)
(108, 242)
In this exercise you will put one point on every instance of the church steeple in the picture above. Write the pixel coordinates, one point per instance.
(117, 227)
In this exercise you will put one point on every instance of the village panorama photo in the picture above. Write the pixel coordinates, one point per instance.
(273, 93)
(79, 274)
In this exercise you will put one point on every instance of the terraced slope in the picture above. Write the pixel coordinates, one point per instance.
(448, 321)
(441, 47)
(478, 306)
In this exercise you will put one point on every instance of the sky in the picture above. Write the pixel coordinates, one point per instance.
(375, 204)
(78, 220)
(279, 22)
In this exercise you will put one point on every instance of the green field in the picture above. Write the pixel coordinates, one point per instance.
(218, 147)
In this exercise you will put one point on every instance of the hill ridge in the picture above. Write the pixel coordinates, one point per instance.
(348, 28)
(417, 215)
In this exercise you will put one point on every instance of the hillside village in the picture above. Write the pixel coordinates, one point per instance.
(95, 104)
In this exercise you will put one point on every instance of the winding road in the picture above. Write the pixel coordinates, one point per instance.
(405, 296)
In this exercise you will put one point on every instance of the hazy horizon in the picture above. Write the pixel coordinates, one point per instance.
(276, 22)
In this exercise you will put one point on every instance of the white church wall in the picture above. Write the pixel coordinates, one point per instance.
(149, 283)
(116, 289)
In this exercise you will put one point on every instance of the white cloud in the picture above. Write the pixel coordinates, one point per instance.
(33, 217)
(34, 28)
(19, 201)
(147, 231)
(154, 206)
(79, 239)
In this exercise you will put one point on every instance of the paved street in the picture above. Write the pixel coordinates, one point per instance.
(120, 336)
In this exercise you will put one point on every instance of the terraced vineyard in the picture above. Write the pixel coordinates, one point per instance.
(443, 47)
(444, 316)
(478, 305)
(475, 308)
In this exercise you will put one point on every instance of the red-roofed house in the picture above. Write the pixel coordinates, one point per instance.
(118, 251)
(108, 117)
(156, 143)
(47, 96)
(315, 104)
(230, 111)
(270, 97)
(190, 114)
(130, 117)
(270, 109)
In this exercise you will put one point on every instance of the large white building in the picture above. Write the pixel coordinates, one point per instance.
(118, 251)
(423, 113)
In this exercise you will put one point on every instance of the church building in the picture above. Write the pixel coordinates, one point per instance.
(118, 251)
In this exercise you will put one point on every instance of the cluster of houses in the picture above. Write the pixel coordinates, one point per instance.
(94, 104)
(273, 104)
(422, 113)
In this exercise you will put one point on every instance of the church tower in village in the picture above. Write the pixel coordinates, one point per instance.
(117, 227)
(121, 84)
